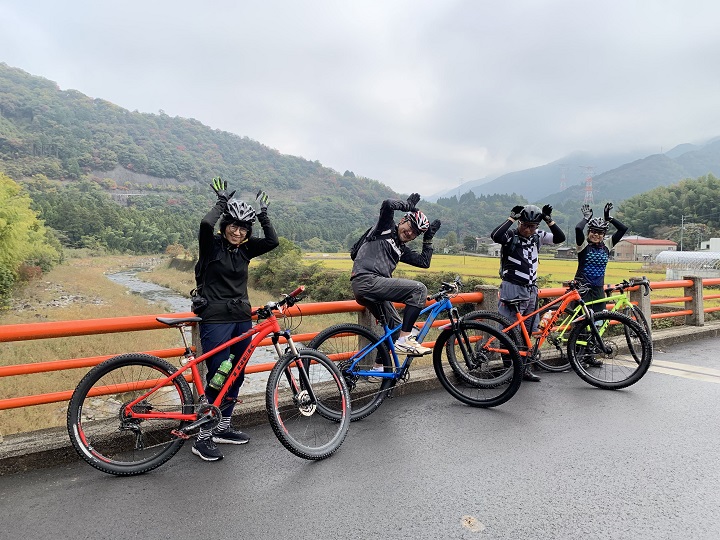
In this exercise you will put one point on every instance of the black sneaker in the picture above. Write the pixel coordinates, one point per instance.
(230, 436)
(207, 450)
(592, 361)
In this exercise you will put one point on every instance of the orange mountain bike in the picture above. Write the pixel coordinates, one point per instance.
(607, 349)
(132, 413)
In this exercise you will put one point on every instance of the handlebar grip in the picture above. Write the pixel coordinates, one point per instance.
(297, 291)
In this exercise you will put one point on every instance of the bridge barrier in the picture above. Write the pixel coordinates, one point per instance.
(47, 447)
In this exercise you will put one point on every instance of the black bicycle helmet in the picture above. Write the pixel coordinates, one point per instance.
(598, 224)
(531, 214)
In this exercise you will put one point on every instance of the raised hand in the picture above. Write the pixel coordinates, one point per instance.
(546, 213)
(515, 212)
(220, 188)
(263, 200)
(430, 233)
(586, 212)
(608, 207)
(412, 200)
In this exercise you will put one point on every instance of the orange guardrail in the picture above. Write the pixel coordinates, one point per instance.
(60, 329)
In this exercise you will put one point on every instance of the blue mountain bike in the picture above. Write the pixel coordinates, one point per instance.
(470, 373)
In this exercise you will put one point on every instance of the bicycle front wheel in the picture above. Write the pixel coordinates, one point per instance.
(341, 343)
(298, 386)
(477, 364)
(636, 314)
(100, 429)
(622, 358)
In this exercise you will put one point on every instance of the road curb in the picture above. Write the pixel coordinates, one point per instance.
(51, 447)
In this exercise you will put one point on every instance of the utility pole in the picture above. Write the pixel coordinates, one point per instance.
(682, 228)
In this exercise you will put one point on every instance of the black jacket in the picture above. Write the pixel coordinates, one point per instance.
(380, 257)
(225, 268)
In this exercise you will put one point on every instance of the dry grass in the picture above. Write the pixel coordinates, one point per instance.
(76, 290)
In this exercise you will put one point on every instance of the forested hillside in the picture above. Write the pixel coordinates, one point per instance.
(690, 208)
(103, 177)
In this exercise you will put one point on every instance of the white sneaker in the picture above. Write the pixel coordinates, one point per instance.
(411, 347)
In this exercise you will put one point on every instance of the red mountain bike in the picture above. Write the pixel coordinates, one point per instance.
(133, 412)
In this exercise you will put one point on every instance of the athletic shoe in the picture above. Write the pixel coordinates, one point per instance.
(207, 450)
(411, 347)
(592, 361)
(230, 436)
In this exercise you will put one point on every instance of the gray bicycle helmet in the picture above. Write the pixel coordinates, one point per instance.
(531, 214)
(598, 224)
(239, 212)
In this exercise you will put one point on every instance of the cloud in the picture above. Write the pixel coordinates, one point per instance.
(412, 93)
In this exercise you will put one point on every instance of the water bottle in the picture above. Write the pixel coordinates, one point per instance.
(546, 318)
(221, 374)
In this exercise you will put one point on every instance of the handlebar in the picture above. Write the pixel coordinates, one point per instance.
(633, 282)
(288, 300)
(446, 288)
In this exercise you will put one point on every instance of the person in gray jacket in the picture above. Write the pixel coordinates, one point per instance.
(385, 246)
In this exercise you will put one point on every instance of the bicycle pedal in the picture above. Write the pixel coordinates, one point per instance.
(180, 434)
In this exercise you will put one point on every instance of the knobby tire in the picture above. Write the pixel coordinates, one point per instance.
(113, 443)
(341, 343)
(297, 388)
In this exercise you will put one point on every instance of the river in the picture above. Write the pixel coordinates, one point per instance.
(156, 294)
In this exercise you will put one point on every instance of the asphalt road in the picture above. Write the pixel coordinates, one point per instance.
(561, 460)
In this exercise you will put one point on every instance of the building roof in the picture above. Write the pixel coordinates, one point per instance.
(642, 241)
(689, 259)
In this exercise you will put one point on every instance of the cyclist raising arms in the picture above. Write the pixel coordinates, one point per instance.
(594, 252)
(221, 273)
(371, 277)
(519, 261)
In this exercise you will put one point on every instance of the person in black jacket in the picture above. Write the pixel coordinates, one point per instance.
(371, 277)
(519, 262)
(221, 273)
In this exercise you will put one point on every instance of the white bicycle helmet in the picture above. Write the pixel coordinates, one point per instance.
(240, 211)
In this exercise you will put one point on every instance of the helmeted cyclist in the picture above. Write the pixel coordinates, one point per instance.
(519, 262)
(594, 251)
(221, 274)
(371, 278)
(593, 255)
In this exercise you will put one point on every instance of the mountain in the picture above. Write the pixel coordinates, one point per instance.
(66, 136)
(683, 161)
(536, 183)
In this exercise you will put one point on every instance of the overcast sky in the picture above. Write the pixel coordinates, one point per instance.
(420, 95)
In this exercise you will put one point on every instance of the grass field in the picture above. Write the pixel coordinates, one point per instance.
(555, 271)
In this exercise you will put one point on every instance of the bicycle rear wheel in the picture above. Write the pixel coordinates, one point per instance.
(296, 389)
(478, 365)
(627, 361)
(101, 432)
(341, 344)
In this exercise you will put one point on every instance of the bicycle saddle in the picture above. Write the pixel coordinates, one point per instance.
(374, 307)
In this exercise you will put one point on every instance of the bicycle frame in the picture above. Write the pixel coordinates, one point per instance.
(259, 331)
(433, 311)
(619, 301)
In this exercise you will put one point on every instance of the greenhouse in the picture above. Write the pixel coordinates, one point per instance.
(685, 263)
